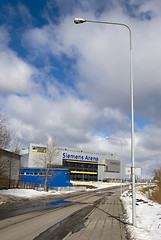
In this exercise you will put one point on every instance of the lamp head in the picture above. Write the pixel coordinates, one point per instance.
(79, 20)
(107, 138)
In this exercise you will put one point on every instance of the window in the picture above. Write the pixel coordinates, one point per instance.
(41, 174)
(39, 149)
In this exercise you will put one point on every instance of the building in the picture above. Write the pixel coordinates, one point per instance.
(83, 165)
(9, 169)
(36, 177)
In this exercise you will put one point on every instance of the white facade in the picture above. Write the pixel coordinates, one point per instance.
(85, 164)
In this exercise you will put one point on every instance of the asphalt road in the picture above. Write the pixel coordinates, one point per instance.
(55, 220)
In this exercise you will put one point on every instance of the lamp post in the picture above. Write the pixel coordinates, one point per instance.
(81, 20)
(116, 139)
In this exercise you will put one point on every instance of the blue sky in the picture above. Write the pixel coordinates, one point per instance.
(72, 82)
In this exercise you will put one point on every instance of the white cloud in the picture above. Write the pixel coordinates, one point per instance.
(68, 117)
(16, 76)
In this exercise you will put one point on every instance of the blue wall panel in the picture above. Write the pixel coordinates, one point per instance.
(36, 177)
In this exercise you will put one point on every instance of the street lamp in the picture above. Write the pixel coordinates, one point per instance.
(116, 139)
(81, 20)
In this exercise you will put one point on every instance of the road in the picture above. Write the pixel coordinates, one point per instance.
(105, 221)
(56, 221)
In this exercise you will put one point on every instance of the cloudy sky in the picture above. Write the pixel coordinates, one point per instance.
(72, 82)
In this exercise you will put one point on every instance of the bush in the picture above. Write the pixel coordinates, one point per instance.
(149, 191)
(157, 192)
(154, 192)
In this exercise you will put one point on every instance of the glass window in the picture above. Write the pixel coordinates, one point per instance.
(39, 149)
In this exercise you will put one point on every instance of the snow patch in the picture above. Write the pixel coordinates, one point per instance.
(148, 217)
(25, 193)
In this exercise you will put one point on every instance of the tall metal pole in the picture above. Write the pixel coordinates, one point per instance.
(81, 20)
(132, 137)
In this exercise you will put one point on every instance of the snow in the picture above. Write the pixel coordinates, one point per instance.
(148, 213)
(30, 193)
(96, 184)
(148, 217)
(25, 193)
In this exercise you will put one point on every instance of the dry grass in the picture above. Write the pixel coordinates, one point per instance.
(157, 191)
(85, 185)
(152, 192)
(157, 195)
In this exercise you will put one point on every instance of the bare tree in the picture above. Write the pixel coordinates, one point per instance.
(8, 141)
(47, 160)
(7, 137)
(5, 133)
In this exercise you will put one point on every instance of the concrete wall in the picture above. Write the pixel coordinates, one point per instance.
(9, 169)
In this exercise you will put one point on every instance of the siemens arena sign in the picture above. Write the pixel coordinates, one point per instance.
(79, 157)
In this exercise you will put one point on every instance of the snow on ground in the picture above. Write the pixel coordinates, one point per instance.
(26, 193)
(95, 184)
(148, 217)
(30, 193)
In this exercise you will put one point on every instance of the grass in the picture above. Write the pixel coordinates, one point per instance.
(152, 192)
(85, 185)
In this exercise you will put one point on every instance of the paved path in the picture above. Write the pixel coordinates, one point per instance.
(104, 222)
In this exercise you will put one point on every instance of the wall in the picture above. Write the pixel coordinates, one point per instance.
(35, 177)
(9, 169)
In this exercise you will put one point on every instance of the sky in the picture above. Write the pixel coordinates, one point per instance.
(72, 82)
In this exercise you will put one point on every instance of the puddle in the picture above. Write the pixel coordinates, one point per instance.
(38, 207)
(58, 203)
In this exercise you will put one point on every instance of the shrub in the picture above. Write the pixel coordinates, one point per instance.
(154, 192)
(148, 190)
(157, 191)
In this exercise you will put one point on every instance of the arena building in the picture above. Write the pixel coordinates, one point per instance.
(83, 165)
